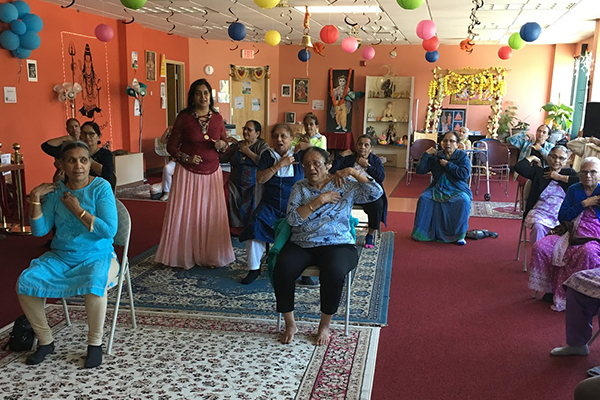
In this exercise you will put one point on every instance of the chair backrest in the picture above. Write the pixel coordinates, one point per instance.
(160, 148)
(526, 190)
(420, 146)
(497, 152)
(124, 229)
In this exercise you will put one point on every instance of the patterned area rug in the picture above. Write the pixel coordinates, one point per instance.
(219, 291)
(195, 357)
(139, 192)
(494, 209)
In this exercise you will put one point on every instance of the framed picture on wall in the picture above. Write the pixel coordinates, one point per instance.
(301, 91)
(150, 65)
(451, 119)
(472, 99)
(290, 117)
(32, 71)
(286, 90)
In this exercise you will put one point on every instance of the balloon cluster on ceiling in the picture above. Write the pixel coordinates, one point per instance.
(23, 35)
(529, 32)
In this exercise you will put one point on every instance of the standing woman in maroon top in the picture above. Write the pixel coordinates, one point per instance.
(195, 229)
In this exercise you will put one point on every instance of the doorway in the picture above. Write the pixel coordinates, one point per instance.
(249, 96)
(175, 86)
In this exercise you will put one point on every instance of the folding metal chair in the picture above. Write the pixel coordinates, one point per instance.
(416, 151)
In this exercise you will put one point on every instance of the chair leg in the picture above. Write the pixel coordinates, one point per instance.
(66, 309)
(593, 338)
(279, 322)
(348, 292)
(520, 241)
(130, 292)
(525, 249)
(111, 335)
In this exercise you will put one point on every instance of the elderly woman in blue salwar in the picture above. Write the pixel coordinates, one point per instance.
(443, 208)
(278, 169)
(81, 260)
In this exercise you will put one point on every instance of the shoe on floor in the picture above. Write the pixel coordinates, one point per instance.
(548, 298)
(307, 281)
(593, 371)
(40, 354)
(571, 351)
(164, 197)
(94, 356)
(461, 242)
(251, 277)
(369, 241)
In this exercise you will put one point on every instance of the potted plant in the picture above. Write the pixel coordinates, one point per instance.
(509, 123)
(559, 119)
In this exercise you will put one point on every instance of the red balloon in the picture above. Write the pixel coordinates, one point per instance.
(505, 52)
(431, 44)
(329, 34)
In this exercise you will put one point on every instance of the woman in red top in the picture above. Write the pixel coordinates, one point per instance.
(195, 229)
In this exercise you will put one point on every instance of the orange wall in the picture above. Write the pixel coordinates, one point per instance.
(528, 82)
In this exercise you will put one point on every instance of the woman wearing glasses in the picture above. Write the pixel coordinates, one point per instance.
(443, 208)
(548, 188)
(555, 258)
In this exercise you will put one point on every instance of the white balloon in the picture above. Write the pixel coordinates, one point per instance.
(77, 88)
(62, 97)
(67, 86)
(57, 88)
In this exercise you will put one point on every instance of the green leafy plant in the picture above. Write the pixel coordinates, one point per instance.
(510, 121)
(560, 116)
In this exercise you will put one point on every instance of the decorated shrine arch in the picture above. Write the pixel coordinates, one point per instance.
(447, 82)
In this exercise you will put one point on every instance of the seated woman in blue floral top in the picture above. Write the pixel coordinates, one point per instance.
(319, 215)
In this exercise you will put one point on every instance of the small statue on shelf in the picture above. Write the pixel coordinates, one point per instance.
(390, 135)
(402, 141)
(388, 112)
(386, 86)
(370, 132)
(371, 115)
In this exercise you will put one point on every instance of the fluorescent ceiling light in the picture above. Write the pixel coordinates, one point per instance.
(340, 9)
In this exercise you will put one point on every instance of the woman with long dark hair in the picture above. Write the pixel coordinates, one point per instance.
(195, 229)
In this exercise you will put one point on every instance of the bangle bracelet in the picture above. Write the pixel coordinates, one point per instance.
(82, 214)
(273, 170)
(311, 207)
(34, 202)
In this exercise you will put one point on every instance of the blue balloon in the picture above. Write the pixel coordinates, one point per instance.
(33, 22)
(22, 7)
(304, 55)
(30, 40)
(530, 31)
(237, 31)
(8, 13)
(9, 40)
(18, 27)
(432, 56)
(21, 53)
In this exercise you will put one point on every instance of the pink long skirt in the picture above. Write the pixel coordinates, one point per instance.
(195, 229)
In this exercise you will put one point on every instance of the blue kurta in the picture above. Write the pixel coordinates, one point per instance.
(79, 261)
(273, 204)
(443, 208)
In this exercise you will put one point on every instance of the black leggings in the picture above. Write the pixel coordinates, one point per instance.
(374, 211)
(334, 263)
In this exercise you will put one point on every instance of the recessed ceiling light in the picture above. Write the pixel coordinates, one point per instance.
(340, 9)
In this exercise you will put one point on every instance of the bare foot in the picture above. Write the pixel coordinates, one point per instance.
(322, 338)
(288, 334)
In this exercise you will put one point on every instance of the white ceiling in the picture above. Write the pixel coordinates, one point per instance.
(562, 21)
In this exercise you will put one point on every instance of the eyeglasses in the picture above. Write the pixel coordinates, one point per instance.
(590, 173)
(316, 164)
(88, 133)
(554, 156)
(448, 141)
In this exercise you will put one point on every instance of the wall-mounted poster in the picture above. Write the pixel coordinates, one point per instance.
(339, 110)
(301, 91)
(32, 71)
(286, 91)
(150, 65)
(134, 60)
(451, 119)
(290, 117)
(471, 98)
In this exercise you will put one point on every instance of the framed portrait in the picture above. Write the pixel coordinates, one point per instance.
(150, 65)
(301, 91)
(339, 110)
(32, 72)
(451, 119)
(466, 97)
(286, 90)
(290, 117)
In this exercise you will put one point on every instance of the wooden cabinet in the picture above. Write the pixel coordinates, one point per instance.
(388, 111)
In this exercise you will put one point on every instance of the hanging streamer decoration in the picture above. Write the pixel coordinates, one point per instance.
(255, 37)
(132, 17)
(170, 16)
(68, 5)
(477, 4)
(289, 16)
(236, 20)
(204, 26)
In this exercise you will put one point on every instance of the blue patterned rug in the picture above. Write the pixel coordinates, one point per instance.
(218, 291)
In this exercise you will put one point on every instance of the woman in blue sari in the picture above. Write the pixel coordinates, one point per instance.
(278, 169)
(443, 208)
(243, 157)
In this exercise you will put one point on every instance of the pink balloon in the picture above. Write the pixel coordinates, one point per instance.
(426, 29)
(431, 44)
(349, 45)
(368, 53)
(104, 33)
(505, 52)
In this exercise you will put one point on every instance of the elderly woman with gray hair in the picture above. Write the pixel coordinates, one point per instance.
(556, 257)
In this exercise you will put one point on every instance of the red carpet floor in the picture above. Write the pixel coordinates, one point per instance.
(462, 324)
(420, 182)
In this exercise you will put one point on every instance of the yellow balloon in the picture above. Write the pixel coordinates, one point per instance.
(273, 38)
(266, 3)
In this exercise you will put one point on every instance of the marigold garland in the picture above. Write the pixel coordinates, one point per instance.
(343, 98)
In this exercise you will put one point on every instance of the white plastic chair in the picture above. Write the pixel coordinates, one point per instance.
(121, 239)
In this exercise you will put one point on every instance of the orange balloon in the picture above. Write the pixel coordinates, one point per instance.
(319, 48)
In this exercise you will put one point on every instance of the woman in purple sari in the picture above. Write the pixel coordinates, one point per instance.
(554, 259)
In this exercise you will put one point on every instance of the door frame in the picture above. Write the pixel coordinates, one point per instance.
(182, 87)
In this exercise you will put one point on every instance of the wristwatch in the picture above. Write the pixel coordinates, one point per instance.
(184, 157)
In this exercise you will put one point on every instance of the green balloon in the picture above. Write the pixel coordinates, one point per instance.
(133, 4)
(410, 4)
(515, 42)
